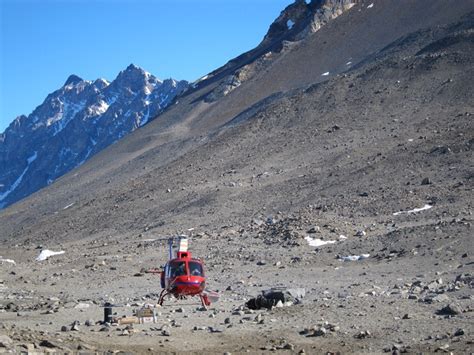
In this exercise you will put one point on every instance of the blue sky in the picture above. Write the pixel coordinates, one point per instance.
(42, 42)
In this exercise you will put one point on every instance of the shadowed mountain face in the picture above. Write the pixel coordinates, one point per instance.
(74, 123)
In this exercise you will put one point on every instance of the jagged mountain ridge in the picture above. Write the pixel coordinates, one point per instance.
(74, 123)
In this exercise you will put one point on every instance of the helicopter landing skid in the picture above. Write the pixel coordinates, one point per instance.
(204, 299)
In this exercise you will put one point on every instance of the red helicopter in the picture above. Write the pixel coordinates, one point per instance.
(183, 276)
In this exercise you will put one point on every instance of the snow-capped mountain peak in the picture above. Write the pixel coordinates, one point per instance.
(75, 122)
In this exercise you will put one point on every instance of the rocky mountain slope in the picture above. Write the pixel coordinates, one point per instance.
(342, 164)
(74, 123)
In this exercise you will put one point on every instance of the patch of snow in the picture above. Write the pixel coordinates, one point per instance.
(145, 117)
(105, 81)
(325, 74)
(51, 120)
(17, 182)
(415, 210)
(370, 6)
(163, 100)
(349, 63)
(318, 242)
(45, 254)
(99, 109)
(199, 80)
(342, 237)
(354, 257)
(290, 24)
(65, 115)
(147, 74)
(32, 158)
(104, 106)
(70, 205)
(10, 261)
(111, 100)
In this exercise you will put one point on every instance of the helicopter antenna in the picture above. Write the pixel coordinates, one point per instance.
(170, 247)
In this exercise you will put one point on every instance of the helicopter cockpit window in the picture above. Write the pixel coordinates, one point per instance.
(195, 269)
(178, 268)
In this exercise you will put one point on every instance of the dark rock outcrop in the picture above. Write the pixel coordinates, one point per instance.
(296, 22)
